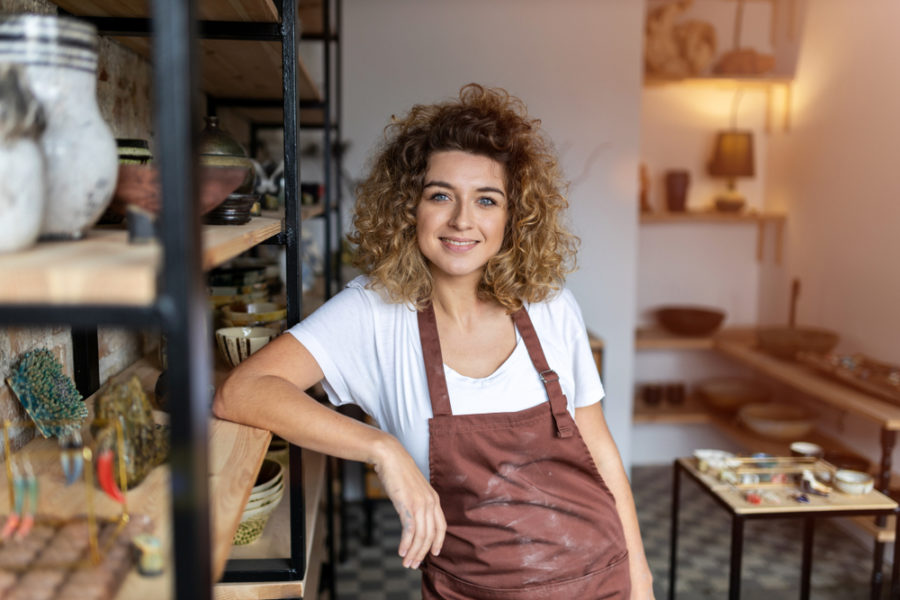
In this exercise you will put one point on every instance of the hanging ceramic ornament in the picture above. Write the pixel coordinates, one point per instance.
(59, 58)
(21, 163)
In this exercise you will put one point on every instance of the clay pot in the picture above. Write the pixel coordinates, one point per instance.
(138, 185)
(677, 183)
(218, 149)
(59, 58)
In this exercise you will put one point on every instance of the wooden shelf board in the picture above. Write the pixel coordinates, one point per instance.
(229, 68)
(655, 338)
(880, 534)
(808, 381)
(729, 425)
(240, 69)
(222, 242)
(710, 217)
(213, 10)
(689, 413)
(103, 268)
(716, 81)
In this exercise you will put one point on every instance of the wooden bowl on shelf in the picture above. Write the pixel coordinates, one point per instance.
(691, 321)
(729, 394)
(786, 342)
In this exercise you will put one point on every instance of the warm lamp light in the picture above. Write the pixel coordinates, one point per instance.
(732, 158)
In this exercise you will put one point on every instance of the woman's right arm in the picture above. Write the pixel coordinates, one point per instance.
(267, 391)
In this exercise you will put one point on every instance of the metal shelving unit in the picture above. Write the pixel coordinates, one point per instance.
(174, 301)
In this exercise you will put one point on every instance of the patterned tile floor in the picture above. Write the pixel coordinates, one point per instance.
(771, 564)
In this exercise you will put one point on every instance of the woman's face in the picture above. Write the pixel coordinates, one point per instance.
(462, 213)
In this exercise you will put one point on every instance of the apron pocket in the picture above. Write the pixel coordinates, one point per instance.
(613, 582)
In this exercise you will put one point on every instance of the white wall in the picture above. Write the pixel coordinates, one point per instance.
(576, 63)
(836, 172)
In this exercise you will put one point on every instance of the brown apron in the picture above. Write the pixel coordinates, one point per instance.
(528, 515)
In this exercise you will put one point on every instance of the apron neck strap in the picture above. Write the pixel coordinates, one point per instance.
(437, 383)
(434, 362)
(561, 417)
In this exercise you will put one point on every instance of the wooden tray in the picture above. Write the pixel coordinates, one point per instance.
(859, 371)
(768, 467)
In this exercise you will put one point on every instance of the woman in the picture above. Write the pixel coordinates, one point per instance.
(462, 345)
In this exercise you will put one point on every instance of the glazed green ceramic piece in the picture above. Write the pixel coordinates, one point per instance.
(48, 395)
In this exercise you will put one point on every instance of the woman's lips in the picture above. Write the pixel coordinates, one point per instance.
(458, 245)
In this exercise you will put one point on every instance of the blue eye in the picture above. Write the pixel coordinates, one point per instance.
(485, 201)
(440, 197)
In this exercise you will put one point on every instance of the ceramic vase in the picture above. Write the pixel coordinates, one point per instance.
(59, 58)
(22, 193)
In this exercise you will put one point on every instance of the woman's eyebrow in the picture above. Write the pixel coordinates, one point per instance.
(444, 184)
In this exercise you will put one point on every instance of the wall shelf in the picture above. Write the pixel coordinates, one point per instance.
(229, 68)
(762, 219)
(655, 338)
(104, 268)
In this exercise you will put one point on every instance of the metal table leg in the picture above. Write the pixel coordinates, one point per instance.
(895, 569)
(806, 565)
(673, 537)
(737, 551)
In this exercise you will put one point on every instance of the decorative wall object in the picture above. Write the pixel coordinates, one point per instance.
(673, 49)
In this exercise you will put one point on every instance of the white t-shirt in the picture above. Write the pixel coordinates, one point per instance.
(370, 353)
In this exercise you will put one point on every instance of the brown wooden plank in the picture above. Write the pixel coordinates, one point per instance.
(102, 268)
(213, 10)
(223, 242)
(805, 380)
(710, 217)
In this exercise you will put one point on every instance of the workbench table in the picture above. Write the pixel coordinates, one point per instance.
(732, 500)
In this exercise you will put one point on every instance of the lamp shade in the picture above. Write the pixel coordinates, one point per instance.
(733, 154)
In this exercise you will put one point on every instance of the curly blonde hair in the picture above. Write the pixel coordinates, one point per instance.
(537, 251)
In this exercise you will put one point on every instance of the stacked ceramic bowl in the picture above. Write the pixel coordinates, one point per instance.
(264, 499)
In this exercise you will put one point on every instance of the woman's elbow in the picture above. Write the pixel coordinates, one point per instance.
(225, 400)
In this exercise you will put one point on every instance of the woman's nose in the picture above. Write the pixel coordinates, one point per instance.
(460, 216)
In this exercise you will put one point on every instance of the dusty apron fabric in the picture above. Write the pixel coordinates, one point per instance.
(528, 515)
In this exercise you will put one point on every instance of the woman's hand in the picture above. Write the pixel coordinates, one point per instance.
(415, 501)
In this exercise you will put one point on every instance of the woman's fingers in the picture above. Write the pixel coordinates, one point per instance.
(440, 529)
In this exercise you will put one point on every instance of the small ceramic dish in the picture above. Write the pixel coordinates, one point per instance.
(807, 449)
(237, 343)
(855, 483)
(254, 313)
(270, 473)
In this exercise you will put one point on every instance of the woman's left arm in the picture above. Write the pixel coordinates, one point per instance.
(593, 428)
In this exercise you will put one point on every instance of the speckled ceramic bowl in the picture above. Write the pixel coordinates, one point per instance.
(237, 343)
(253, 521)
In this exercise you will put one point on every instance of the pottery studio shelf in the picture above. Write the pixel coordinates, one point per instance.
(229, 68)
(760, 219)
(654, 338)
(103, 268)
(236, 451)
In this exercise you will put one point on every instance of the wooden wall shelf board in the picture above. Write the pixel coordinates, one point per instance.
(690, 413)
(804, 379)
(102, 268)
(777, 219)
(105, 269)
(213, 10)
(229, 68)
(655, 338)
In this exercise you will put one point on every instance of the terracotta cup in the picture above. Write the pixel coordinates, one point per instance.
(677, 183)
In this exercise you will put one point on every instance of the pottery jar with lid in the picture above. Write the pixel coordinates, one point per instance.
(22, 193)
(218, 149)
(59, 58)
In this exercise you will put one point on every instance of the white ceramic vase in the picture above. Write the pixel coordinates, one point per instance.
(59, 58)
(21, 162)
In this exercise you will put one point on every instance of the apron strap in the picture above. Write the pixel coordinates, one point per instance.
(434, 362)
(561, 417)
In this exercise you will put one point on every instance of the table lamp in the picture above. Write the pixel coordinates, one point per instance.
(732, 158)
